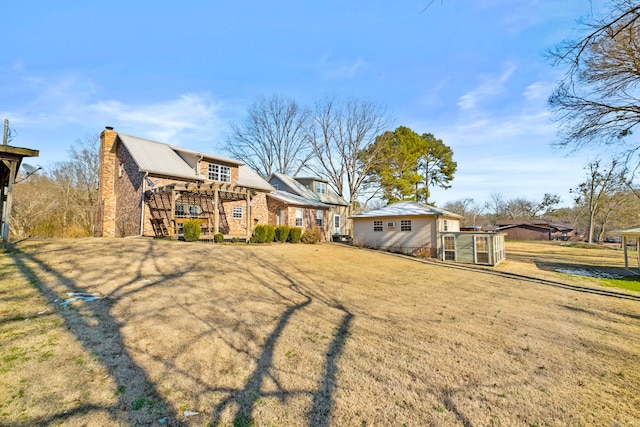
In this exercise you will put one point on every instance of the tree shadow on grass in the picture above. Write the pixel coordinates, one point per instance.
(245, 399)
(138, 400)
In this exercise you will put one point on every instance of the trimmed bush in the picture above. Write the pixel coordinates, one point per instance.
(269, 233)
(259, 234)
(218, 237)
(191, 230)
(294, 234)
(282, 233)
(312, 235)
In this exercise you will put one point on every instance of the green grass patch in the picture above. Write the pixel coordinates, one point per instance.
(629, 283)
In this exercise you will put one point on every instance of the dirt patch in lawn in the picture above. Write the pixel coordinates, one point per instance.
(318, 335)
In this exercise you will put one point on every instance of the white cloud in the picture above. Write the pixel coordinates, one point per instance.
(51, 113)
(334, 69)
(539, 91)
(492, 86)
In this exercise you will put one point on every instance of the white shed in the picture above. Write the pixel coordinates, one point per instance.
(407, 227)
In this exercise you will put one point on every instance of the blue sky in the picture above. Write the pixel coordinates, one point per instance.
(473, 73)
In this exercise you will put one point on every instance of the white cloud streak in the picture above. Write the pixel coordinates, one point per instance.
(491, 87)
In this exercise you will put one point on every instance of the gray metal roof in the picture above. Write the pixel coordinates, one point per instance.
(163, 159)
(207, 155)
(330, 197)
(157, 158)
(293, 199)
(248, 178)
(406, 209)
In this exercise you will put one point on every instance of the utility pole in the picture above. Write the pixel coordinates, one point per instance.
(5, 138)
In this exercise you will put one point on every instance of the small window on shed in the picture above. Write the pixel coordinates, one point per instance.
(482, 249)
(405, 225)
(377, 225)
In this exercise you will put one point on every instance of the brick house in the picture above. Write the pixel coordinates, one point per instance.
(150, 188)
(314, 189)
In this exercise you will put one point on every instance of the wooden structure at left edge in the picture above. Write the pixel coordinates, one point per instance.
(10, 160)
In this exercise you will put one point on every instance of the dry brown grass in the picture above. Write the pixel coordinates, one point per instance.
(318, 335)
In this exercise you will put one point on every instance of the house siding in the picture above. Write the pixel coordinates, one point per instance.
(421, 237)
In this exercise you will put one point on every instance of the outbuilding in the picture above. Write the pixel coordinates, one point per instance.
(425, 230)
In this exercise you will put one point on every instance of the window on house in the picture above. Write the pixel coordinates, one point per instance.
(449, 244)
(405, 225)
(238, 212)
(320, 218)
(194, 210)
(219, 173)
(377, 225)
(482, 249)
(321, 188)
(298, 217)
(445, 225)
(120, 170)
(180, 210)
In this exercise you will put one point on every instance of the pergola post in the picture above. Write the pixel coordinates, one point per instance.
(626, 257)
(248, 216)
(216, 211)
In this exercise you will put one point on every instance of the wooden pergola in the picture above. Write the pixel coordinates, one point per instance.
(630, 234)
(10, 159)
(212, 192)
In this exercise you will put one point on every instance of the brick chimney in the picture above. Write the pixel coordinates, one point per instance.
(106, 213)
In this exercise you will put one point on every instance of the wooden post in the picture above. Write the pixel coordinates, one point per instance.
(216, 212)
(7, 199)
(248, 216)
(173, 227)
(626, 258)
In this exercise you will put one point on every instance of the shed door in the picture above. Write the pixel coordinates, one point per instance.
(336, 224)
(481, 244)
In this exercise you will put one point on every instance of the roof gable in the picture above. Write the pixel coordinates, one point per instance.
(295, 187)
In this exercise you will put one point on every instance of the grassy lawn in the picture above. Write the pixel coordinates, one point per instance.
(317, 335)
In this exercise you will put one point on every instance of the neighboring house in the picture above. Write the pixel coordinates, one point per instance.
(534, 229)
(150, 188)
(416, 228)
(317, 189)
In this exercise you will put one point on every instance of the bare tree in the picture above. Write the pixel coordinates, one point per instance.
(597, 101)
(273, 137)
(339, 134)
(599, 185)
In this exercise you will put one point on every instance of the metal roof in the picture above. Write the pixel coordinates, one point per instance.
(293, 199)
(632, 231)
(330, 197)
(157, 158)
(248, 178)
(207, 155)
(406, 209)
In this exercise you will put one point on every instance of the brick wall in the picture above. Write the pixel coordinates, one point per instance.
(128, 193)
(106, 212)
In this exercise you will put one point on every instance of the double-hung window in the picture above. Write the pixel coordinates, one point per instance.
(237, 212)
(321, 188)
(405, 225)
(377, 225)
(219, 173)
(298, 217)
(320, 218)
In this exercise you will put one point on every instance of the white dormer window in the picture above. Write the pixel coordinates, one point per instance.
(321, 188)
(219, 173)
